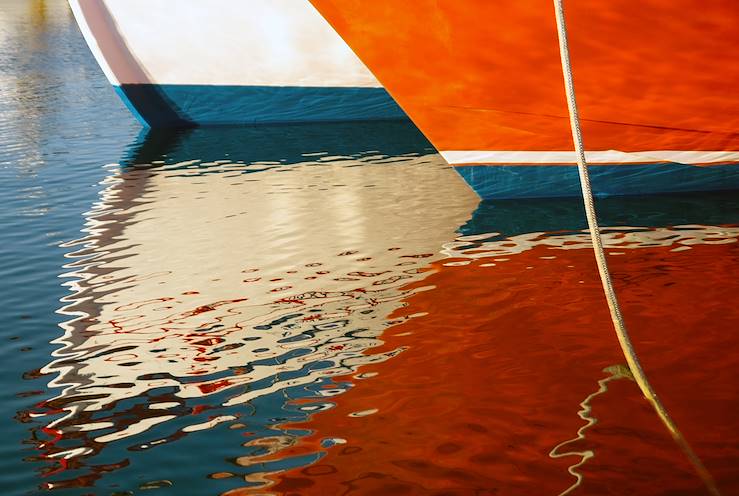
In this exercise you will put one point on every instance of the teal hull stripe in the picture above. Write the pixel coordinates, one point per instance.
(539, 181)
(159, 106)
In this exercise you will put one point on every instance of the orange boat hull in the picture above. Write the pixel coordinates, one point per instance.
(656, 84)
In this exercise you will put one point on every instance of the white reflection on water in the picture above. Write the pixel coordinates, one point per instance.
(615, 239)
(204, 292)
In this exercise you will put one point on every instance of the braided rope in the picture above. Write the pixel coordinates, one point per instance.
(618, 322)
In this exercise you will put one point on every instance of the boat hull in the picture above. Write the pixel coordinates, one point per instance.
(179, 63)
(533, 181)
(175, 105)
(482, 80)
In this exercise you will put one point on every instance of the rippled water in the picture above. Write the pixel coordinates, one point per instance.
(329, 310)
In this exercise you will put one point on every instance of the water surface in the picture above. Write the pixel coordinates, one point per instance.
(330, 310)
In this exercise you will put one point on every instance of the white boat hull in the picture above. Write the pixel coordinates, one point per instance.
(189, 62)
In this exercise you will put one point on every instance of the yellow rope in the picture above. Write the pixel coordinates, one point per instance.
(618, 322)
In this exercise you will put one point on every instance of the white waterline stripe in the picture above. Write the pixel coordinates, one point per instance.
(593, 157)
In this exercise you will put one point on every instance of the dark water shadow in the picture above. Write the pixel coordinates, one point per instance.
(513, 217)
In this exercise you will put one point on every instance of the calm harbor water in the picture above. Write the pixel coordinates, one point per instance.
(330, 310)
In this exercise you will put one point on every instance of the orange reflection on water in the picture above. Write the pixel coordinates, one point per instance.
(510, 346)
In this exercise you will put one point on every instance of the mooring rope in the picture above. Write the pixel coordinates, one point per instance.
(618, 322)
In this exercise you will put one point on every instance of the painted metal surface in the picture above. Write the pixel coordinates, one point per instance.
(485, 78)
(188, 62)
(552, 181)
(187, 105)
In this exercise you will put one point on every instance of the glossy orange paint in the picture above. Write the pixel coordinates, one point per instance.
(486, 75)
(499, 361)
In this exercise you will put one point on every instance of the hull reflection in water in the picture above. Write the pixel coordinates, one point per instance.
(225, 278)
(513, 383)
